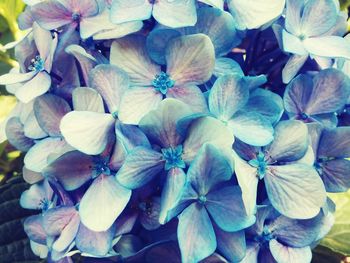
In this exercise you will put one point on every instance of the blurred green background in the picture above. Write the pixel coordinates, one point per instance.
(14, 246)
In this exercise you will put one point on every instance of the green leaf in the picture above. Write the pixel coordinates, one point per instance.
(338, 239)
(325, 255)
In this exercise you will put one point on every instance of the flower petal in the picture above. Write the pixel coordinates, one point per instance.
(160, 125)
(251, 128)
(31, 177)
(335, 175)
(49, 110)
(35, 87)
(171, 192)
(67, 235)
(130, 55)
(191, 95)
(226, 207)
(190, 59)
(87, 131)
(72, 169)
(295, 190)
(124, 11)
(87, 99)
(111, 83)
(290, 143)
(15, 135)
(140, 166)
(331, 88)
(13, 78)
(102, 203)
(293, 44)
(335, 143)
(94, 243)
(227, 96)
(293, 16)
(37, 158)
(291, 69)
(195, 234)
(32, 198)
(136, 103)
(284, 254)
(209, 168)
(176, 13)
(33, 226)
(232, 245)
(58, 16)
(328, 46)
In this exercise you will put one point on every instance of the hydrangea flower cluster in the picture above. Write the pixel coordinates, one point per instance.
(181, 130)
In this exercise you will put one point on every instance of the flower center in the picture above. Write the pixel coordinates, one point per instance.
(260, 164)
(265, 236)
(302, 37)
(44, 204)
(76, 17)
(101, 167)
(304, 116)
(173, 157)
(37, 64)
(162, 82)
(202, 199)
(146, 207)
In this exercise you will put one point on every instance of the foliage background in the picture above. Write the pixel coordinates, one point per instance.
(15, 247)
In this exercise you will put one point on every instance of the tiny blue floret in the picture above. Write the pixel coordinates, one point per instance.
(162, 82)
(173, 157)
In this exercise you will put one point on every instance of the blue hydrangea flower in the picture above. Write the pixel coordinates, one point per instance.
(312, 28)
(35, 76)
(316, 98)
(206, 209)
(172, 149)
(276, 238)
(331, 147)
(189, 63)
(176, 13)
(293, 187)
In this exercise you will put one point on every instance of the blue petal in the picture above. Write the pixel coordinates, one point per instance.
(15, 135)
(56, 219)
(226, 207)
(36, 195)
(209, 168)
(49, 110)
(227, 96)
(172, 189)
(294, 10)
(335, 175)
(252, 253)
(290, 142)
(67, 235)
(328, 46)
(335, 143)
(295, 190)
(160, 125)
(140, 167)
(282, 253)
(102, 203)
(87, 99)
(122, 11)
(294, 64)
(195, 234)
(32, 128)
(94, 243)
(87, 131)
(111, 83)
(175, 13)
(251, 128)
(33, 226)
(232, 245)
(72, 169)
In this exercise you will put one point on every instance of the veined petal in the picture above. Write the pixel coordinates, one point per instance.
(335, 143)
(140, 167)
(290, 142)
(293, 44)
(111, 83)
(191, 95)
(335, 175)
(32, 128)
(215, 3)
(87, 99)
(34, 196)
(226, 207)
(297, 94)
(136, 103)
(15, 135)
(31, 177)
(251, 14)
(209, 168)
(293, 66)
(284, 254)
(87, 131)
(206, 130)
(294, 10)
(94, 243)
(130, 55)
(58, 15)
(295, 190)
(160, 124)
(125, 11)
(57, 218)
(331, 89)
(232, 245)
(328, 46)
(72, 169)
(190, 59)
(67, 235)
(176, 13)
(172, 189)
(251, 128)
(42, 39)
(319, 16)
(195, 234)
(13, 78)
(33, 226)
(37, 158)
(49, 110)
(119, 31)
(35, 87)
(227, 96)
(85, 7)
(102, 203)
(252, 253)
